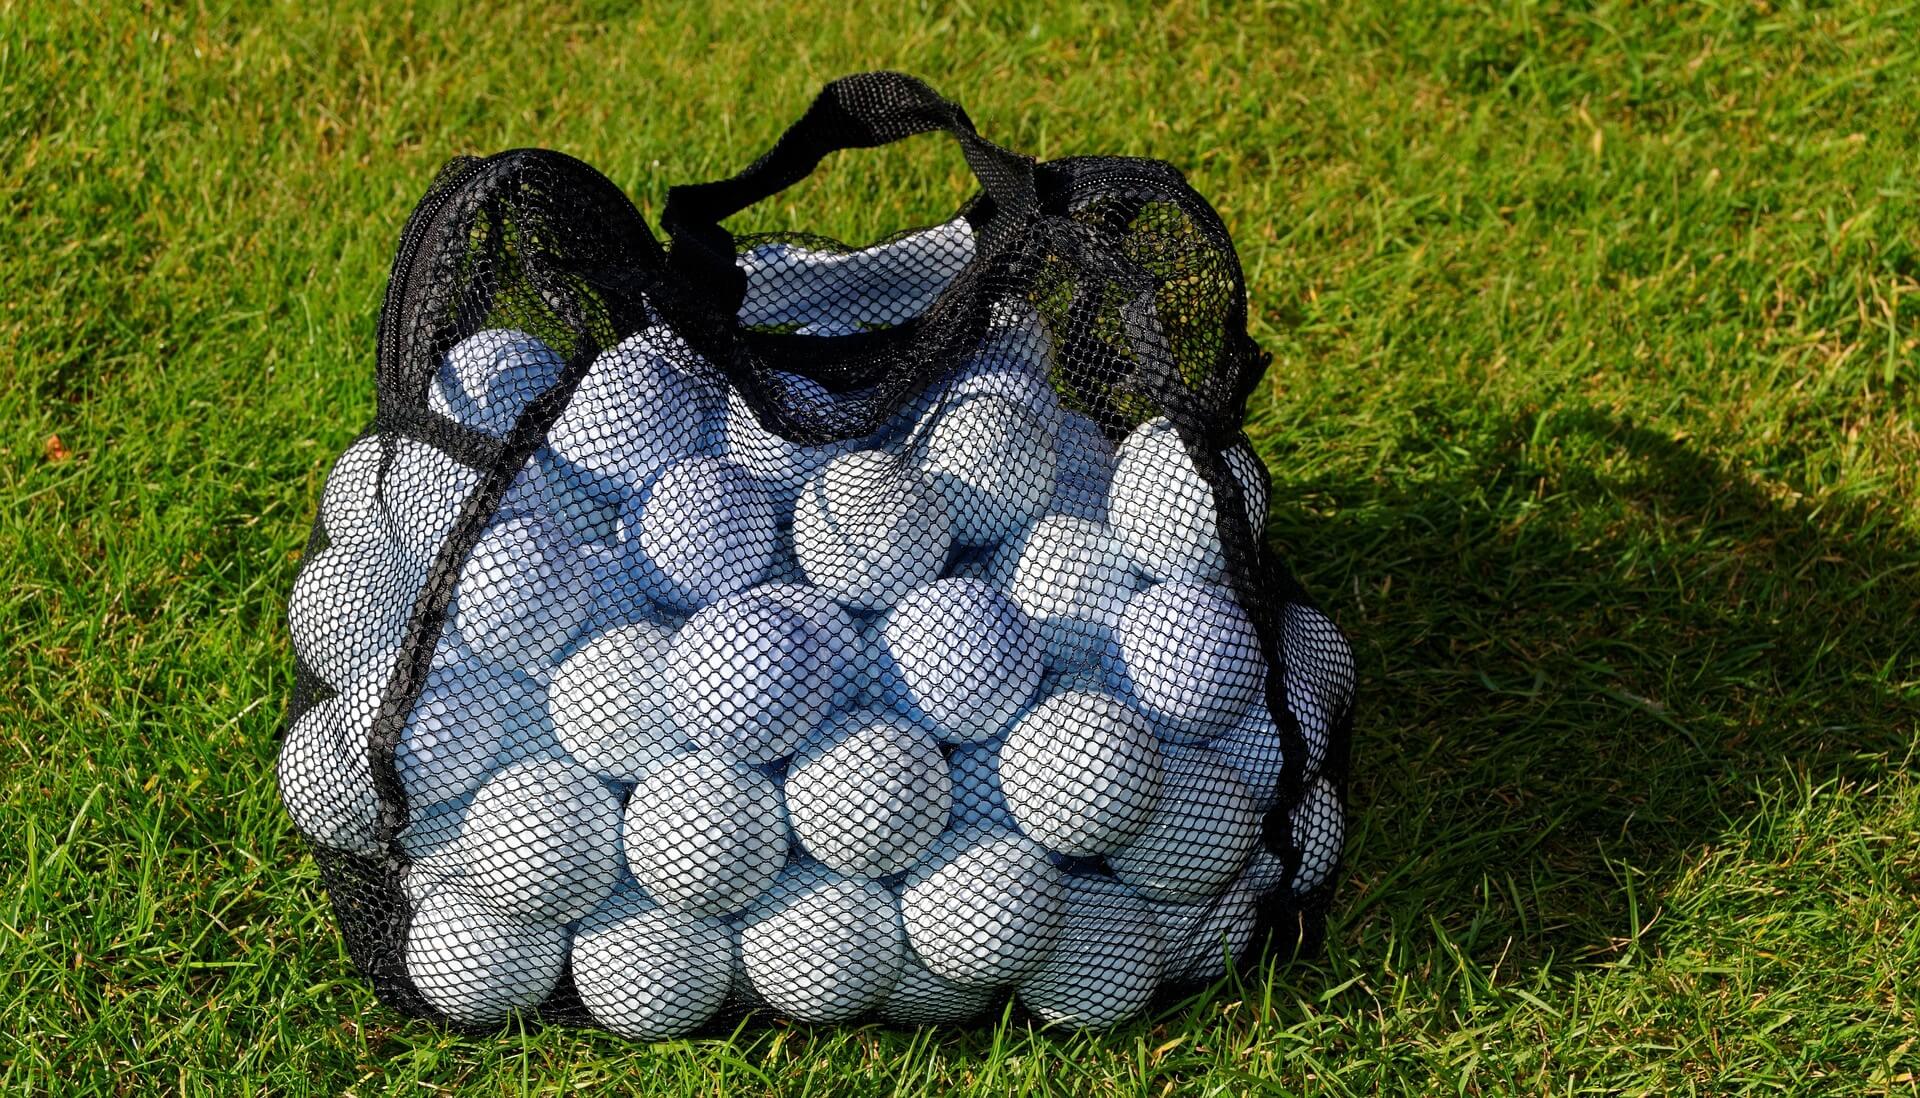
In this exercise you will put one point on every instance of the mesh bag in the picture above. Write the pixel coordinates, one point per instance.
(843, 634)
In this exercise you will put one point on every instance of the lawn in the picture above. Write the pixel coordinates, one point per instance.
(1594, 419)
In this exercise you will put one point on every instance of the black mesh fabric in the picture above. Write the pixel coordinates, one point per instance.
(845, 634)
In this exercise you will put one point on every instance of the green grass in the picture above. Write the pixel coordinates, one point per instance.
(1592, 418)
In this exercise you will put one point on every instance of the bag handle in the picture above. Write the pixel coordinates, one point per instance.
(862, 111)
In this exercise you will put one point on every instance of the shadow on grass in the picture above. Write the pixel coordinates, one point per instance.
(1584, 646)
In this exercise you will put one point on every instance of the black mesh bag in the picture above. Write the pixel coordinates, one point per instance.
(843, 634)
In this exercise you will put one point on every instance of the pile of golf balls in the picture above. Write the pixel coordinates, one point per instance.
(889, 727)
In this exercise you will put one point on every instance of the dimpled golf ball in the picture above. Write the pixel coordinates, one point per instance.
(348, 613)
(1164, 511)
(542, 841)
(649, 973)
(920, 998)
(349, 505)
(522, 595)
(1107, 964)
(476, 965)
(1071, 578)
(1199, 838)
(1189, 657)
(1202, 938)
(490, 377)
(1319, 677)
(1319, 828)
(868, 528)
(977, 798)
(1081, 773)
(964, 656)
(327, 783)
(638, 410)
(1083, 477)
(705, 834)
(459, 727)
(993, 464)
(821, 947)
(784, 466)
(1253, 749)
(608, 703)
(747, 681)
(869, 794)
(707, 529)
(833, 628)
(984, 908)
(422, 495)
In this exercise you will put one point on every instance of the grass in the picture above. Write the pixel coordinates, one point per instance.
(1592, 418)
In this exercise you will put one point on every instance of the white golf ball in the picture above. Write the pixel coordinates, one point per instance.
(454, 738)
(542, 841)
(1202, 937)
(747, 681)
(1189, 657)
(984, 908)
(618, 587)
(705, 834)
(639, 409)
(966, 659)
(1071, 578)
(1199, 838)
(1083, 478)
(1164, 511)
(522, 595)
(833, 628)
(868, 528)
(476, 965)
(648, 973)
(433, 831)
(1319, 828)
(1253, 749)
(327, 783)
(707, 529)
(609, 703)
(348, 613)
(821, 947)
(490, 377)
(977, 797)
(422, 495)
(1081, 773)
(869, 794)
(1319, 678)
(1108, 963)
(781, 464)
(992, 461)
(350, 505)
(920, 998)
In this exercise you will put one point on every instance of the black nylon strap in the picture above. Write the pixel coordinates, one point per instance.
(865, 110)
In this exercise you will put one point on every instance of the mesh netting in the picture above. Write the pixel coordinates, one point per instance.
(843, 633)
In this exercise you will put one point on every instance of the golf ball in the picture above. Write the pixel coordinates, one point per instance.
(649, 973)
(1253, 749)
(326, 782)
(1202, 938)
(1083, 477)
(920, 998)
(984, 908)
(833, 628)
(1164, 511)
(522, 595)
(821, 947)
(1070, 577)
(459, 727)
(1190, 658)
(707, 529)
(966, 659)
(993, 463)
(868, 529)
(1201, 834)
(490, 377)
(869, 794)
(705, 834)
(781, 464)
(476, 965)
(1319, 828)
(348, 613)
(747, 679)
(609, 703)
(1081, 773)
(1108, 962)
(422, 494)
(542, 841)
(349, 505)
(637, 411)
